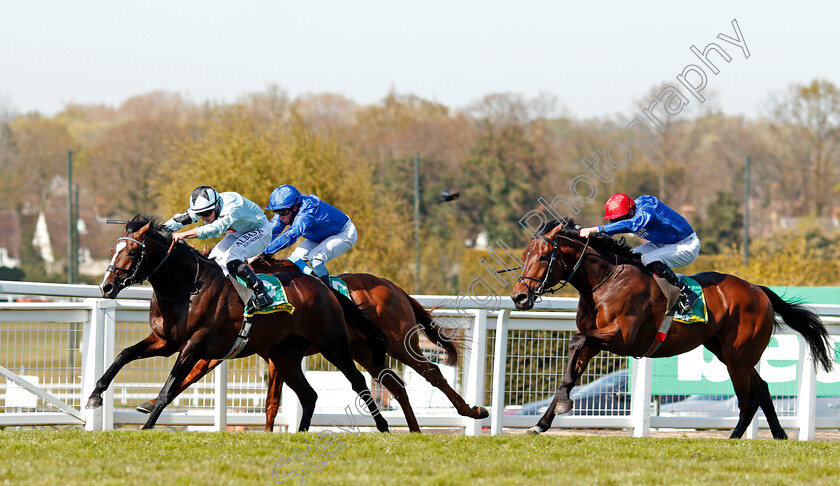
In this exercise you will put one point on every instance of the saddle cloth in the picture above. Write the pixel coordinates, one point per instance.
(277, 293)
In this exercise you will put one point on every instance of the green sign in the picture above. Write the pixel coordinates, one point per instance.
(700, 372)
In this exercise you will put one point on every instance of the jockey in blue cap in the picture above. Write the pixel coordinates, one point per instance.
(671, 240)
(327, 232)
(247, 230)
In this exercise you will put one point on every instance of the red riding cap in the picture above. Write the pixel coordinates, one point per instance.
(618, 205)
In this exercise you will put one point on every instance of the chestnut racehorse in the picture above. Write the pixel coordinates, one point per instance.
(621, 308)
(196, 311)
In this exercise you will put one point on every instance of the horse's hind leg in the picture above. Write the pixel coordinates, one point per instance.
(411, 354)
(765, 401)
(340, 357)
(741, 374)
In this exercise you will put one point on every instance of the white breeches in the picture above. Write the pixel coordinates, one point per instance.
(333, 246)
(242, 246)
(677, 254)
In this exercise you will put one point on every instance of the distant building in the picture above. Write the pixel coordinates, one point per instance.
(10, 239)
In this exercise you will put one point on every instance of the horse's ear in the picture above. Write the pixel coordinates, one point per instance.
(554, 231)
(142, 231)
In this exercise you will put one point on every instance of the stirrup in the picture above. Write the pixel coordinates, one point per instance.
(261, 298)
(686, 301)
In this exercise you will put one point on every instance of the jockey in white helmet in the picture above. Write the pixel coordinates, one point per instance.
(248, 233)
(327, 231)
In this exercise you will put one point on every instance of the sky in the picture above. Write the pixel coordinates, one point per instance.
(596, 58)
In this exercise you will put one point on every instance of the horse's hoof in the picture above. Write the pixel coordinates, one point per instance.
(94, 402)
(782, 436)
(145, 407)
(480, 412)
(563, 406)
(535, 430)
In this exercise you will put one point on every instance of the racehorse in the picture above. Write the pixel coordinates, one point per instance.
(196, 311)
(399, 316)
(621, 308)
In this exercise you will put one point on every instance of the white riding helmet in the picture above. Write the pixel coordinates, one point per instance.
(204, 199)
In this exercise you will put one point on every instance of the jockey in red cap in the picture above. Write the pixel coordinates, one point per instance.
(671, 240)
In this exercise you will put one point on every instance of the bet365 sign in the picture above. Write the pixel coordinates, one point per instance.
(700, 372)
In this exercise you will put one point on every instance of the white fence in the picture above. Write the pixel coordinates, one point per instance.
(66, 346)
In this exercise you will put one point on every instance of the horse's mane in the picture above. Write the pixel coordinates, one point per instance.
(158, 232)
(597, 241)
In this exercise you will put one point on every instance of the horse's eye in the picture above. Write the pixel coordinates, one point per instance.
(132, 253)
(545, 258)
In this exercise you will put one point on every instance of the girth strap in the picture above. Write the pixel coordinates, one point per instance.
(241, 340)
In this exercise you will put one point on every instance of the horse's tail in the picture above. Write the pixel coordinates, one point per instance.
(424, 318)
(806, 323)
(356, 316)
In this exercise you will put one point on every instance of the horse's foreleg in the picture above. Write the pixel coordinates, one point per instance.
(288, 366)
(200, 369)
(581, 352)
(272, 401)
(152, 345)
(183, 365)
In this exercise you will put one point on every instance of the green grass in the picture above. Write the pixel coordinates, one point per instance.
(135, 457)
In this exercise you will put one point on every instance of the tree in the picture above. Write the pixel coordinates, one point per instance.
(252, 156)
(37, 155)
(807, 128)
(723, 225)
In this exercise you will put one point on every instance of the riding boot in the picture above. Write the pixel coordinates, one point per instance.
(687, 296)
(320, 271)
(261, 296)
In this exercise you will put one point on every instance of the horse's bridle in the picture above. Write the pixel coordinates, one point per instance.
(138, 262)
(555, 256)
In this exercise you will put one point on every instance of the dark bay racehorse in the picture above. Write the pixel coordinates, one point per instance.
(399, 316)
(621, 308)
(196, 312)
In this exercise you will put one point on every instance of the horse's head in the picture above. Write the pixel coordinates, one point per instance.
(544, 264)
(129, 258)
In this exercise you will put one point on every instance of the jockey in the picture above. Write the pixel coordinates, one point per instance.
(248, 233)
(671, 240)
(327, 231)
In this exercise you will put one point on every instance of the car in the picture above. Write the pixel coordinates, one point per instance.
(608, 395)
(727, 406)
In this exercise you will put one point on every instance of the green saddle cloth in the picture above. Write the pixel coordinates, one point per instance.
(339, 285)
(698, 313)
(277, 293)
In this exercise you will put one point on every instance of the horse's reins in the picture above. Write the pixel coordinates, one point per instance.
(133, 279)
(555, 255)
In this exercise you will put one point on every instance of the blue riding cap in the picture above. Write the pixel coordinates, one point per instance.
(284, 197)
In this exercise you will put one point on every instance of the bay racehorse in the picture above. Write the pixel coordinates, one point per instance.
(400, 317)
(621, 308)
(197, 312)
